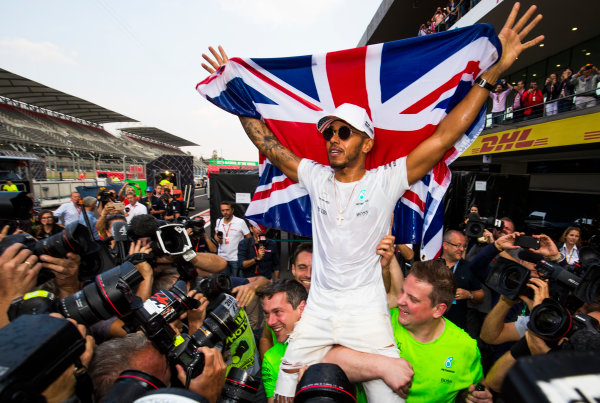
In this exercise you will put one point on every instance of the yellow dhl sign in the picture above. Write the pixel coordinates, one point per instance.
(559, 133)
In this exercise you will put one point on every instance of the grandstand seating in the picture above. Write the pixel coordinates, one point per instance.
(35, 130)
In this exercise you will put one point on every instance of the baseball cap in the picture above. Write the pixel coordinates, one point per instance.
(354, 115)
(149, 189)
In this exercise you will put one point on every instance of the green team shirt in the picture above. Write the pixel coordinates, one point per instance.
(442, 368)
(270, 370)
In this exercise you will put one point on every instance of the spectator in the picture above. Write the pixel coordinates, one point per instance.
(437, 20)
(468, 287)
(9, 186)
(531, 98)
(201, 242)
(47, 225)
(499, 101)
(586, 82)
(89, 206)
(517, 103)
(567, 89)
(452, 10)
(134, 208)
(152, 203)
(229, 231)
(571, 241)
(552, 92)
(69, 212)
(422, 30)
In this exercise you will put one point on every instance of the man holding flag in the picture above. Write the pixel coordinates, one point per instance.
(347, 304)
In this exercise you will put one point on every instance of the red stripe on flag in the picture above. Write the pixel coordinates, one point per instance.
(413, 197)
(346, 67)
(472, 68)
(274, 84)
(265, 194)
(390, 145)
(211, 77)
(440, 171)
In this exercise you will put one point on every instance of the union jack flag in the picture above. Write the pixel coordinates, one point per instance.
(406, 86)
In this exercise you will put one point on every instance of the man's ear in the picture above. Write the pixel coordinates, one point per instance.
(367, 145)
(439, 310)
(301, 306)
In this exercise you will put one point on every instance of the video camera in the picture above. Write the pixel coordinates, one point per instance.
(197, 226)
(551, 321)
(104, 196)
(476, 224)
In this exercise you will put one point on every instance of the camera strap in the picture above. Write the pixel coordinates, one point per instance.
(84, 388)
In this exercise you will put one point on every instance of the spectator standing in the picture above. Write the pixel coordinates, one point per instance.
(69, 212)
(422, 30)
(499, 101)
(532, 100)
(566, 91)
(585, 81)
(437, 20)
(89, 207)
(9, 186)
(452, 10)
(134, 208)
(257, 256)
(152, 203)
(468, 287)
(571, 241)
(47, 225)
(552, 92)
(229, 231)
(517, 102)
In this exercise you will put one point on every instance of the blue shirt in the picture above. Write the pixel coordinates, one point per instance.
(93, 222)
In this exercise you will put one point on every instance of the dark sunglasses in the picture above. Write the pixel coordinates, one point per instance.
(343, 133)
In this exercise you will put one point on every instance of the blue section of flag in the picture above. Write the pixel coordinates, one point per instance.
(296, 71)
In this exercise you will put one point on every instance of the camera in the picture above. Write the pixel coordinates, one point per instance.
(551, 321)
(109, 295)
(74, 238)
(197, 226)
(16, 205)
(262, 241)
(325, 383)
(103, 196)
(213, 285)
(510, 279)
(239, 387)
(476, 225)
(130, 385)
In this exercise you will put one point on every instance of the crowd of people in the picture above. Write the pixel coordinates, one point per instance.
(445, 17)
(557, 95)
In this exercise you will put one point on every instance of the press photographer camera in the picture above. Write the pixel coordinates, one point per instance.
(476, 224)
(552, 321)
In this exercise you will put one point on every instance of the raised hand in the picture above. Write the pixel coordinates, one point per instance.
(512, 35)
(220, 58)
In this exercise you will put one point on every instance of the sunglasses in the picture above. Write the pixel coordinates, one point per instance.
(343, 133)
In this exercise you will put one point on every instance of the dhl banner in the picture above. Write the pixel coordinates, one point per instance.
(558, 133)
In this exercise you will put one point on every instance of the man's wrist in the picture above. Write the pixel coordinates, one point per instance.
(498, 247)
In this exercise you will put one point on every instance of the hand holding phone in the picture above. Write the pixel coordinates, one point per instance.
(528, 242)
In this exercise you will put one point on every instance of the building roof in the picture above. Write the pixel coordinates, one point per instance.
(33, 93)
(155, 134)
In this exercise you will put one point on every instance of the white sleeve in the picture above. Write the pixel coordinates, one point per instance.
(245, 229)
(308, 171)
(395, 178)
(521, 325)
(60, 212)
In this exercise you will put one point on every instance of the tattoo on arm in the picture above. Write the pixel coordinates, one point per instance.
(266, 142)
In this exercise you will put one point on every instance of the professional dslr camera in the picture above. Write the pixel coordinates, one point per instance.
(197, 226)
(476, 225)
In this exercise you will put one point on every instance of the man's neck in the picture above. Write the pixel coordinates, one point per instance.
(428, 332)
(347, 175)
(227, 220)
(450, 263)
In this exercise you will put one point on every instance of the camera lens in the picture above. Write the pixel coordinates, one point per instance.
(239, 387)
(74, 238)
(550, 320)
(513, 278)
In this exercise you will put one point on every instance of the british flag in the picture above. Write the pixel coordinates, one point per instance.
(406, 86)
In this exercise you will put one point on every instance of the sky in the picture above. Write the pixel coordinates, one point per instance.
(143, 58)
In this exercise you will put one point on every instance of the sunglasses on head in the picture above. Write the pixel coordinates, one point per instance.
(343, 133)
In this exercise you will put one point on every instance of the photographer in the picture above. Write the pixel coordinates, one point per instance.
(258, 255)
(200, 240)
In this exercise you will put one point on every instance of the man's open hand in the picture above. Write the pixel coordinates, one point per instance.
(220, 59)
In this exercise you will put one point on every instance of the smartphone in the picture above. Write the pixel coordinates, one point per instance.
(119, 206)
(526, 241)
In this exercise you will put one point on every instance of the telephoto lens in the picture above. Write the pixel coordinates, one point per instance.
(130, 385)
(74, 238)
(213, 286)
(109, 295)
(550, 320)
(325, 383)
(239, 387)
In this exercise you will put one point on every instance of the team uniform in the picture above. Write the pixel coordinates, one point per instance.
(347, 301)
(443, 367)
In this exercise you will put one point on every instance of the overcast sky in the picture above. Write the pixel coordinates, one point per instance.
(142, 58)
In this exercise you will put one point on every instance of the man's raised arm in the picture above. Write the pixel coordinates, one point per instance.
(453, 126)
(258, 132)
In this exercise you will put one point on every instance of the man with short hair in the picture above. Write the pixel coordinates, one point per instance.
(229, 231)
(134, 208)
(302, 264)
(444, 358)
(468, 287)
(517, 105)
(585, 81)
(532, 99)
(346, 305)
(152, 203)
(69, 212)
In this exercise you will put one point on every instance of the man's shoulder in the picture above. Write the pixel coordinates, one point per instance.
(458, 336)
(275, 353)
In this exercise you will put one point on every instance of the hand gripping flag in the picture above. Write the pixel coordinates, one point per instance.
(407, 87)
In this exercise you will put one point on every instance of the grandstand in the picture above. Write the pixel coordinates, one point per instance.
(66, 132)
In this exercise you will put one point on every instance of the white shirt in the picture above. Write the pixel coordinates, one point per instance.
(344, 250)
(135, 209)
(233, 233)
(571, 257)
(67, 213)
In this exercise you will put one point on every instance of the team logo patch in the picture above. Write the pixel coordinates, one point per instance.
(362, 195)
(448, 363)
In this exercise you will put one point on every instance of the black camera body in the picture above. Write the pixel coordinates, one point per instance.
(476, 225)
(34, 351)
(551, 321)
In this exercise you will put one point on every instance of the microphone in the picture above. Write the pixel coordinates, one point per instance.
(142, 226)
